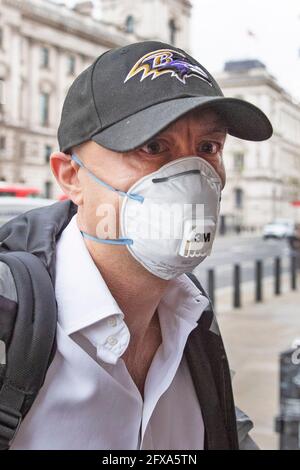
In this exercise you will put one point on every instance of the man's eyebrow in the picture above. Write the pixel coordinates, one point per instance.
(216, 129)
(209, 130)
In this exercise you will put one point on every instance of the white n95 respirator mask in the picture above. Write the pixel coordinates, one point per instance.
(168, 218)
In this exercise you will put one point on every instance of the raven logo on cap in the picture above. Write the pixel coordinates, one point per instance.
(163, 61)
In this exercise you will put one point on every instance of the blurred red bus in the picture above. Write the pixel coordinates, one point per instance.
(18, 190)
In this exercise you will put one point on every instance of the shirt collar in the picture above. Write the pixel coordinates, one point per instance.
(184, 299)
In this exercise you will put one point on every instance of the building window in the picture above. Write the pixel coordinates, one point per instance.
(44, 108)
(44, 57)
(2, 142)
(2, 95)
(48, 189)
(129, 24)
(172, 31)
(22, 150)
(238, 161)
(71, 65)
(48, 151)
(238, 198)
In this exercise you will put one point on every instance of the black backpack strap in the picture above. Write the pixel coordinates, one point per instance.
(28, 317)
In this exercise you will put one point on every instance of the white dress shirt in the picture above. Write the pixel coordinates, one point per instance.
(89, 400)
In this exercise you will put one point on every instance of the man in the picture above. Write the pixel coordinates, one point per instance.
(141, 135)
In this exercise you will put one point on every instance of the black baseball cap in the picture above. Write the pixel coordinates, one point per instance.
(131, 93)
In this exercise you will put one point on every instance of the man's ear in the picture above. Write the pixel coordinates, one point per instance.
(65, 171)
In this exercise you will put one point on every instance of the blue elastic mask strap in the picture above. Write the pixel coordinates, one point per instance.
(135, 197)
(118, 241)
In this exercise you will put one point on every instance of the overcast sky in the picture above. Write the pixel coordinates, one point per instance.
(220, 32)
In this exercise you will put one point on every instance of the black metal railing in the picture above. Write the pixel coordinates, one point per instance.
(259, 277)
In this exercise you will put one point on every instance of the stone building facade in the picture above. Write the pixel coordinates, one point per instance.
(43, 47)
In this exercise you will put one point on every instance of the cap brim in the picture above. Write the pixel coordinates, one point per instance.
(242, 119)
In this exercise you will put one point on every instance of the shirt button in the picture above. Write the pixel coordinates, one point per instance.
(112, 340)
(112, 321)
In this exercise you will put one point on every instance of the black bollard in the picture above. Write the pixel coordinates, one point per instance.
(237, 286)
(293, 272)
(277, 274)
(258, 280)
(211, 286)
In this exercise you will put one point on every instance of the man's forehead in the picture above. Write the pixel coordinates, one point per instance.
(206, 120)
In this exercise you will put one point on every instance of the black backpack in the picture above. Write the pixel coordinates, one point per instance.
(27, 336)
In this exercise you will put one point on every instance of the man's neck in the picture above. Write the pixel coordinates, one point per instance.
(137, 291)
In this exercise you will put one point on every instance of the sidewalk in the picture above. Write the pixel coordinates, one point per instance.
(254, 336)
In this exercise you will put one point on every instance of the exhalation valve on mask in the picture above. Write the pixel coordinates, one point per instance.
(188, 182)
(196, 236)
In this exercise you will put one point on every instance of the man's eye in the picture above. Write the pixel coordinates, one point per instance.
(154, 147)
(209, 147)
